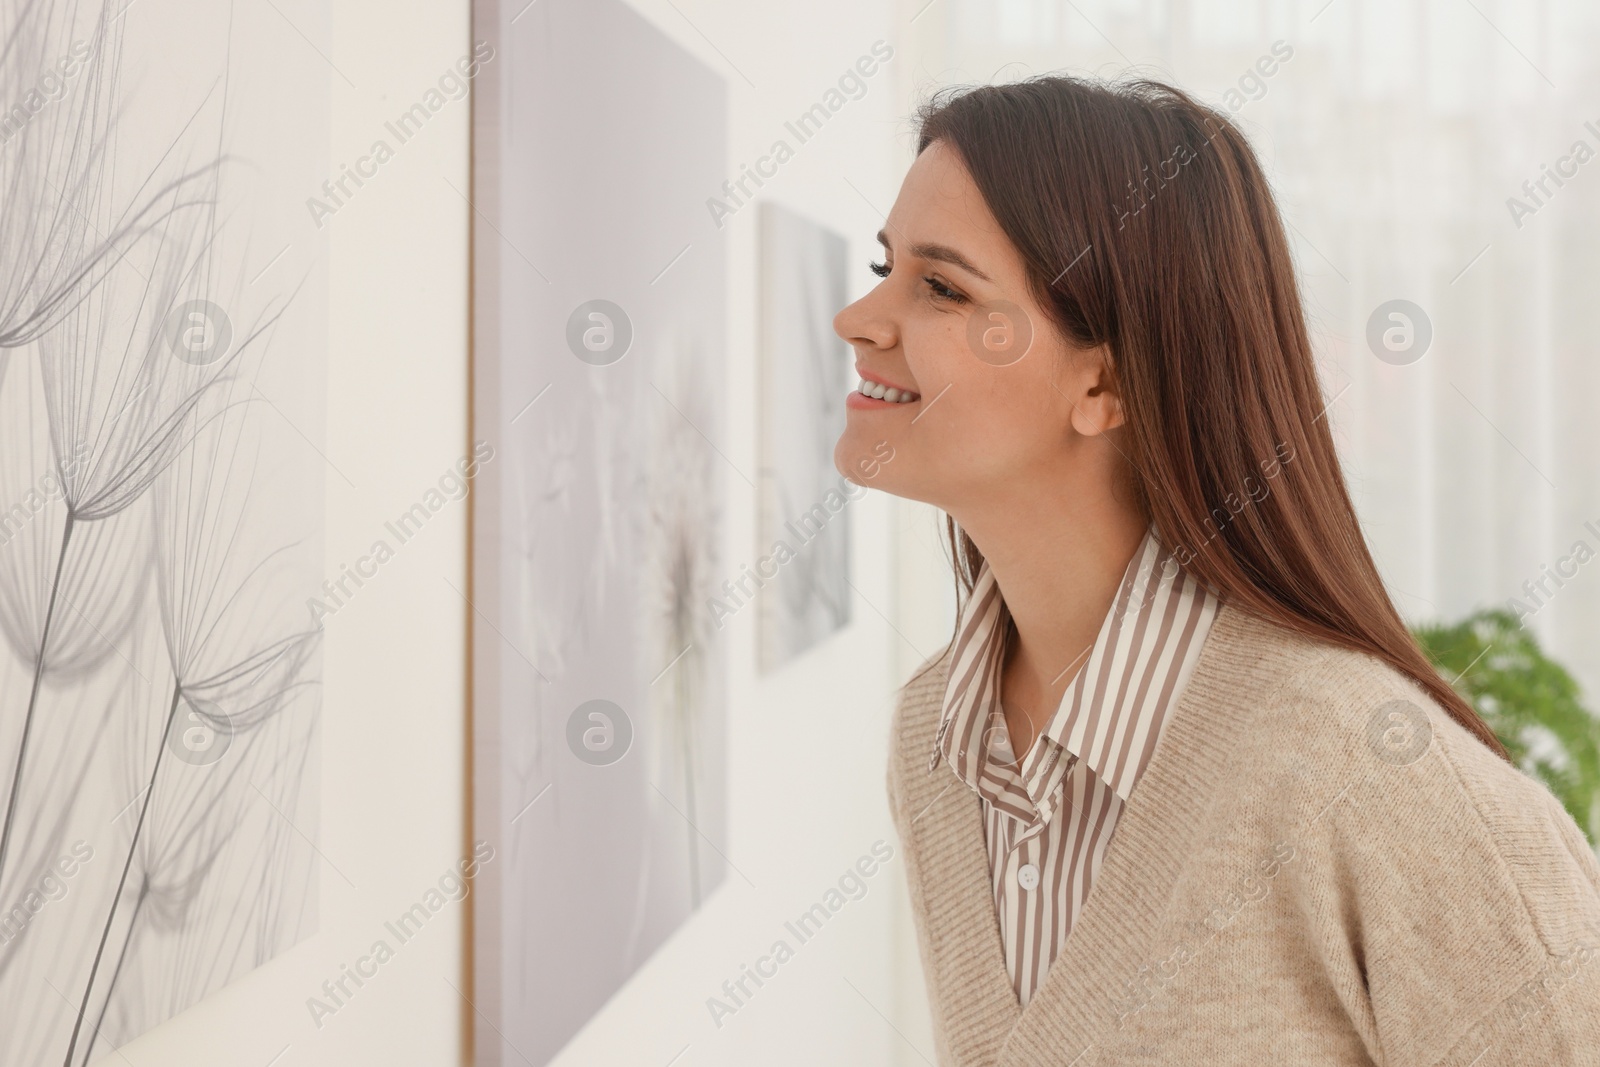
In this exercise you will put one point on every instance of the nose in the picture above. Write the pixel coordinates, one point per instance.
(867, 322)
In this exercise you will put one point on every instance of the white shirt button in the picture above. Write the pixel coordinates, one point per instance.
(1028, 877)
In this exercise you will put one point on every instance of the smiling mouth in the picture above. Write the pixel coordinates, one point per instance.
(888, 393)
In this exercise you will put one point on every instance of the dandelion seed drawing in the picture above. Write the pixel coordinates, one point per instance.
(158, 683)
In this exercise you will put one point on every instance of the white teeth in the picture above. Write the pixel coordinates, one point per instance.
(879, 391)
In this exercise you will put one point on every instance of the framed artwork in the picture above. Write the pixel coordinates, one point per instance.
(598, 674)
(162, 351)
(806, 370)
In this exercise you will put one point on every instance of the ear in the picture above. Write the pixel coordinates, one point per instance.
(1091, 388)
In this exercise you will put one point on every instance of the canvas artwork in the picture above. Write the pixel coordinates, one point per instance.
(598, 674)
(161, 365)
(806, 369)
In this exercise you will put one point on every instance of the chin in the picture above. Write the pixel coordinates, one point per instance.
(884, 479)
(845, 452)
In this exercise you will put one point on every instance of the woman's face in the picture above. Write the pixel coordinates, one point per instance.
(997, 399)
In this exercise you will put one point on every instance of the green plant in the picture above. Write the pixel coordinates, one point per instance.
(1529, 700)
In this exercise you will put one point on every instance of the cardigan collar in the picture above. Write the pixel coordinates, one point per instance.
(948, 859)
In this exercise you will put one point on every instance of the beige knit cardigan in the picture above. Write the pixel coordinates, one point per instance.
(1318, 866)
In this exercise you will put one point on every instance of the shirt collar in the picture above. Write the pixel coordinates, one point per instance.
(1112, 713)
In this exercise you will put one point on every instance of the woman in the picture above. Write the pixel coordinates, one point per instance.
(1183, 789)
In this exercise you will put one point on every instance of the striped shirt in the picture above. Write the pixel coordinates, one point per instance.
(1047, 828)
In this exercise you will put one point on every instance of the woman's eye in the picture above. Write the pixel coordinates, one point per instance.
(943, 291)
(939, 290)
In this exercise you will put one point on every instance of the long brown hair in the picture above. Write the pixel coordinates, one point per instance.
(1147, 226)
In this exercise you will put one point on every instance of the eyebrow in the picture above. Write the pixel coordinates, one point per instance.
(939, 253)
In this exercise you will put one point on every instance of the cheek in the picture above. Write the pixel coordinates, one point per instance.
(1004, 422)
(1009, 399)
(935, 348)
